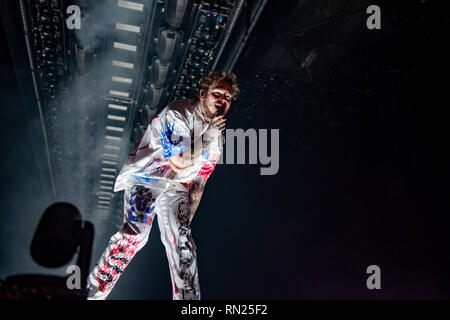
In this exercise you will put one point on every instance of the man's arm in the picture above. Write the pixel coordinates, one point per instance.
(198, 146)
(187, 157)
(195, 195)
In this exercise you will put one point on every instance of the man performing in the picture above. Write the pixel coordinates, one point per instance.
(166, 174)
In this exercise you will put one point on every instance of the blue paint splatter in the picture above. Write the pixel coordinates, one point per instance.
(205, 154)
(171, 146)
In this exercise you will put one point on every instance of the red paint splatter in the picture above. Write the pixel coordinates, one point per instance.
(206, 170)
(123, 249)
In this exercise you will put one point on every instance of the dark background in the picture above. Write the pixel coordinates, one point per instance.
(363, 165)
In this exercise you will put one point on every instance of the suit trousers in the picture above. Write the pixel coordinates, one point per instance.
(141, 202)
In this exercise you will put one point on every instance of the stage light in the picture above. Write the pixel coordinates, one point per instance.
(168, 43)
(105, 193)
(112, 128)
(160, 72)
(122, 80)
(130, 5)
(112, 163)
(118, 118)
(177, 11)
(104, 175)
(128, 27)
(122, 64)
(117, 107)
(119, 93)
(154, 96)
(123, 46)
(113, 138)
(110, 155)
(112, 147)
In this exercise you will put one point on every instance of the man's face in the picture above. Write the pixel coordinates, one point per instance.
(218, 99)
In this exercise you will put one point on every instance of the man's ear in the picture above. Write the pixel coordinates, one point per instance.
(202, 94)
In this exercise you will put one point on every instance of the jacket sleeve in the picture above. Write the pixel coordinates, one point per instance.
(175, 134)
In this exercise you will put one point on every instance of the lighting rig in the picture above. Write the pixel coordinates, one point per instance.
(180, 47)
(43, 24)
(98, 87)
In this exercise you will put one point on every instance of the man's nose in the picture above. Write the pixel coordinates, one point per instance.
(221, 100)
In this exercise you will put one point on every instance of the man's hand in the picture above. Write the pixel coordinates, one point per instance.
(187, 158)
(216, 126)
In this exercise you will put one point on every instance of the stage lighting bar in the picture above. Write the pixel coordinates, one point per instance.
(128, 27)
(117, 107)
(113, 138)
(104, 175)
(122, 80)
(122, 64)
(112, 128)
(112, 163)
(123, 46)
(46, 40)
(110, 155)
(119, 93)
(132, 31)
(117, 118)
(105, 193)
(106, 182)
(130, 5)
(112, 147)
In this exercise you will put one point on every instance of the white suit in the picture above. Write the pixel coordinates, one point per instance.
(152, 186)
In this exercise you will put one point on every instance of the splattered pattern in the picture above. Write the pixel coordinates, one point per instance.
(209, 166)
(116, 261)
(171, 139)
(141, 203)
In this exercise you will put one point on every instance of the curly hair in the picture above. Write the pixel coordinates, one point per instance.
(213, 79)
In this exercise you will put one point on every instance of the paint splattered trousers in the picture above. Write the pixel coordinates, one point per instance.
(141, 203)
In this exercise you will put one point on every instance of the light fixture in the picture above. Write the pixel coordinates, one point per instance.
(128, 27)
(122, 80)
(117, 107)
(130, 5)
(122, 64)
(118, 118)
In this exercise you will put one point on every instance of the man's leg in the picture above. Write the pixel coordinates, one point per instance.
(173, 222)
(139, 204)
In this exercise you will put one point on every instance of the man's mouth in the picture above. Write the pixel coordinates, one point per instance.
(219, 106)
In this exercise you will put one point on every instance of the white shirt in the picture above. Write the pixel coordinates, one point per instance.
(170, 133)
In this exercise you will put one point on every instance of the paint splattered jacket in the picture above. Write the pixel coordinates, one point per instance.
(169, 134)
